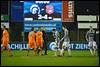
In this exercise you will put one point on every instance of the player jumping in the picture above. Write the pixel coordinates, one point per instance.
(91, 43)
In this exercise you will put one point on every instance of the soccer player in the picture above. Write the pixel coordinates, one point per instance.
(5, 40)
(45, 37)
(66, 43)
(39, 41)
(31, 41)
(91, 43)
(57, 38)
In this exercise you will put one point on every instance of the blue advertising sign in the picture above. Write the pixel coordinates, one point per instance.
(47, 25)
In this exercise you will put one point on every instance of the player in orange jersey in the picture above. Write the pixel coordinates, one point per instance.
(5, 40)
(31, 41)
(39, 41)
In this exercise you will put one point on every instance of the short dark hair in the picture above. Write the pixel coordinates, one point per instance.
(4, 26)
(53, 29)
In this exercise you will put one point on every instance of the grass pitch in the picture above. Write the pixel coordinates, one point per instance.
(20, 58)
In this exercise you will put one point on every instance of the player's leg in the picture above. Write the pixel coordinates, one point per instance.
(28, 52)
(56, 49)
(29, 46)
(62, 51)
(3, 46)
(10, 52)
(38, 46)
(45, 48)
(94, 47)
(41, 51)
(69, 51)
(55, 53)
(41, 48)
(90, 48)
(2, 49)
(38, 49)
(68, 48)
(35, 50)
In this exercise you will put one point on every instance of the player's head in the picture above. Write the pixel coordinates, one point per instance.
(63, 27)
(32, 29)
(53, 30)
(4, 27)
(91, 28)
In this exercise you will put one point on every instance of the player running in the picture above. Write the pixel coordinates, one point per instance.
(91, 43)
(66, 43)
(5, 40)
(31, 41)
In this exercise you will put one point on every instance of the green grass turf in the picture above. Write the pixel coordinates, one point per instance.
(20, 58)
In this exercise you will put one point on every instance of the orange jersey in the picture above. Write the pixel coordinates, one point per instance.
(5, 38)
(39, 38)
(31, 39)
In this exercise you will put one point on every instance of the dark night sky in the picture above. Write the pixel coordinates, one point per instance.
(4, 7)
(93, 7)
(81, 7)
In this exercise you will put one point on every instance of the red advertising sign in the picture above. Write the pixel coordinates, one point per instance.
(67, 11)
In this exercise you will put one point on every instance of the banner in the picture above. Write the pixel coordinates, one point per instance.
(67, 11)
(4, 17)
(47, 25)
(74, 46)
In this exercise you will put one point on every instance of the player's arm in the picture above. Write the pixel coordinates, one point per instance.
(8, 36)
(64, 36)
(2, 37)
(28, 36)
(86, 36)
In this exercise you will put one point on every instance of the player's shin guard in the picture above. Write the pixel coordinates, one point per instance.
(55, 53)
(2, 49)
(28, 52)
(58, 51)
(69, 51)
(91, 51)
(35, 52)
(94, 51)
(61, 52)
(41, 51)
(9, 52)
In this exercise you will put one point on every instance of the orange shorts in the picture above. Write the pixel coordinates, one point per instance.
(5, 44)
(39, 43)
(32, 45)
